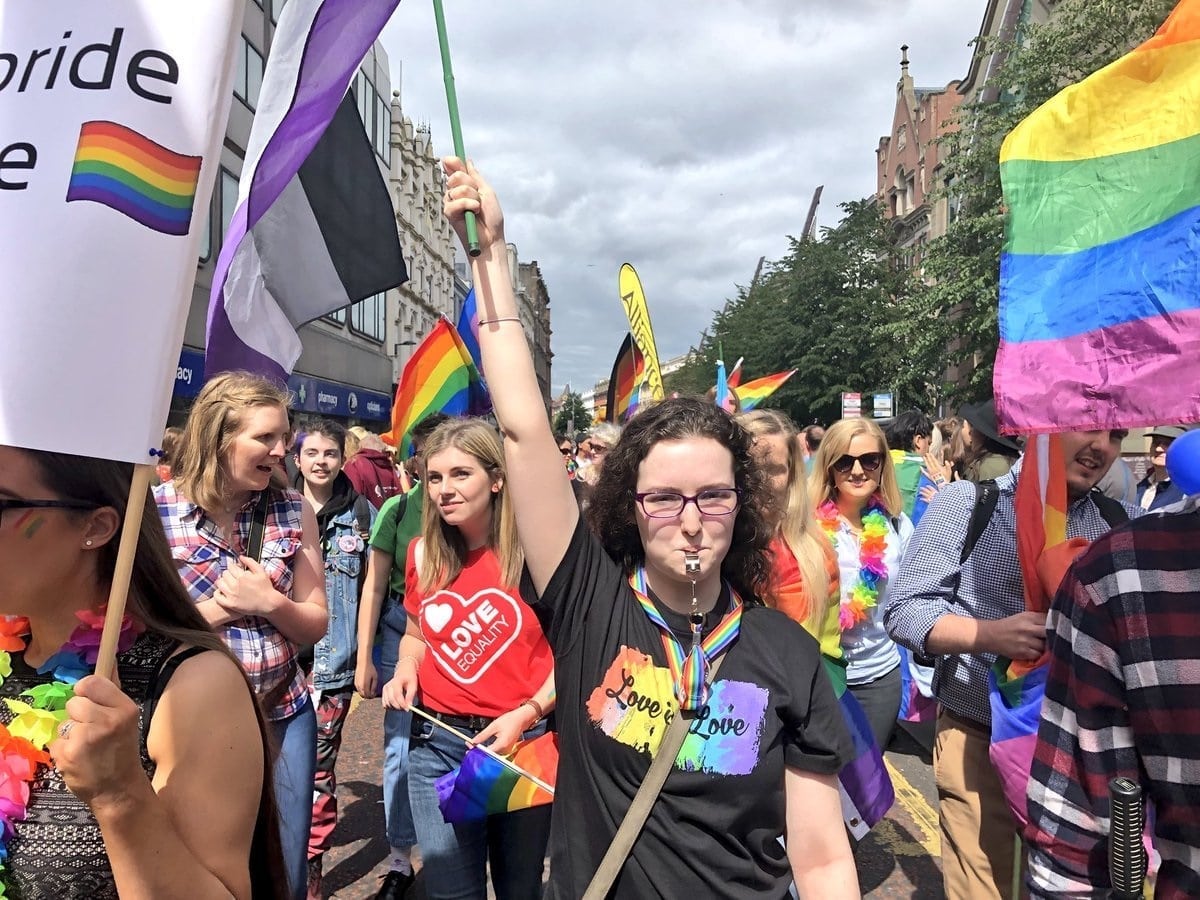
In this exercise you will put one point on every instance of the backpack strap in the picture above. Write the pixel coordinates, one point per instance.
(258, 527)
(1112, 511)
(986, 496)
(362, 515)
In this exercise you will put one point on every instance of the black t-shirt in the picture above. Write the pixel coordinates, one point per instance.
(714, 829)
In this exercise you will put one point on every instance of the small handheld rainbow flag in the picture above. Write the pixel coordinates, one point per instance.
(125, 170)
(755, 392)
(439, 377)
(624, 385)
(482, 787)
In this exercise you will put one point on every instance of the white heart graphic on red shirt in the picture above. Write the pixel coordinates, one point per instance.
(436, 616)
(471, 634)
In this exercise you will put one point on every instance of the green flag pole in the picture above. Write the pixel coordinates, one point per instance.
(452, 105)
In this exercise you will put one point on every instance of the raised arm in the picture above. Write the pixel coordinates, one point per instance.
(536, 479)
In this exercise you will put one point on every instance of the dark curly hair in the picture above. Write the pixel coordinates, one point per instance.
(611, 513)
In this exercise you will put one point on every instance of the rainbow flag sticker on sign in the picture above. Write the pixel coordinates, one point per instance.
(125, 170)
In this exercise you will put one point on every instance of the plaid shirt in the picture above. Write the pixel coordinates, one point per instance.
(1122, 699)
(990, 587)
(202, 553)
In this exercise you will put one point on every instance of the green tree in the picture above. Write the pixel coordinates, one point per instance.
(818, 310)
(572, 416)
(951, 317)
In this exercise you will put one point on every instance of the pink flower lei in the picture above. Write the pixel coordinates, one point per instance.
(35, 724)
(861, 599)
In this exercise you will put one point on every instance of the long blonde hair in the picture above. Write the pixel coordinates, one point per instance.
(821, 486)
(214, 421)
(444, 550)
(797, 526)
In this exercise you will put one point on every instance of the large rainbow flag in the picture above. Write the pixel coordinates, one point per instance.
(482, 786)
(1100, 275)
(125, 170)
(624, 385)
(439, 377)
(755, 392)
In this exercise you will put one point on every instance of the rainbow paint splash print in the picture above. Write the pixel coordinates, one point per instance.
(636, 702)
(126, 171)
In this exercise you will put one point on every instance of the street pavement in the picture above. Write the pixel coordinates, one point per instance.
(898, 859)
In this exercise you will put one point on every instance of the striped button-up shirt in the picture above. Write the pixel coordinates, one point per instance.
(990, 586)
(1122, 699)
(202, 553)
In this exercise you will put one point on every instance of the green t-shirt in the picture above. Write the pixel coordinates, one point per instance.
(398, 522)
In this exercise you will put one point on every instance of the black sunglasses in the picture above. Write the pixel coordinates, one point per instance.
(870, 462)
(44, 504)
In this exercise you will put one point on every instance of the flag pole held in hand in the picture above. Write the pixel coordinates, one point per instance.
(106, 661)
(452, 107)
(507, 763)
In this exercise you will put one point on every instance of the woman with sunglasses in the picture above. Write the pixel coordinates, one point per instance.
(854, 495)
(665, 584)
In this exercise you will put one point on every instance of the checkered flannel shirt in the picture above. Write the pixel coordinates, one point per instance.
(1122, 699)
(202, 553)
(990, 588)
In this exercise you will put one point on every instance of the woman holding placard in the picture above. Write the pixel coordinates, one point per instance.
(92, 817)
(475, 652)
(248, 556)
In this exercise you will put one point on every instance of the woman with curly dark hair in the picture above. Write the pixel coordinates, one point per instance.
(640, 610)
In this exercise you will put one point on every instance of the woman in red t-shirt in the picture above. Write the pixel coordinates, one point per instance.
(475, 652)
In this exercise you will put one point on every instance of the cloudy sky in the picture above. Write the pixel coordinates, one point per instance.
(685, 139)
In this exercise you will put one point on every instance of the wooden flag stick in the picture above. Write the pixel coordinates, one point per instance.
(507, 763)
(107, 660)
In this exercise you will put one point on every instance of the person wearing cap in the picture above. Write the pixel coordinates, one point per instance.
(962, 614)
(987, 453)
(1157, 490)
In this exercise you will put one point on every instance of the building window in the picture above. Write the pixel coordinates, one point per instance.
(206, 236)
(337, 317)
(247, 81)
(375, 113)
(901, 137)
(369, 317)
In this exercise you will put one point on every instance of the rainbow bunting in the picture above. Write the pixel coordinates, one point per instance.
(1100, 278)
(752, 393)
(628, 373)
(128, 172)
(438, 377)
(482, 786)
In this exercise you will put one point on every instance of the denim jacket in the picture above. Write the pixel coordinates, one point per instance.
(344, 552)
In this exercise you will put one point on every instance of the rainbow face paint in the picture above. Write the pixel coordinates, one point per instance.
(29, 524)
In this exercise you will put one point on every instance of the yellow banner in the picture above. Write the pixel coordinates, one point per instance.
(633, 298)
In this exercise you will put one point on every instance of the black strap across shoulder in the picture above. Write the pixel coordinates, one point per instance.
(986, 495)
(160, 683)
(258, 527)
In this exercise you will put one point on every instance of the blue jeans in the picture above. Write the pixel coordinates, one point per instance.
(455, 856)
(294, 771)
(397, 726)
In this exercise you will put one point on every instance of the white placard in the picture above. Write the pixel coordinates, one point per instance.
(112, 114)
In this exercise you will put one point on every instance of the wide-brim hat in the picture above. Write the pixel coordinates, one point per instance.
(1167, 431)
(982, 417)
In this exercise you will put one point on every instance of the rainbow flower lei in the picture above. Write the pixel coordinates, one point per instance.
(24, 741)
(857, 605)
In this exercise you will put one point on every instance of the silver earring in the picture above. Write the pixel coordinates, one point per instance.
(87, 543)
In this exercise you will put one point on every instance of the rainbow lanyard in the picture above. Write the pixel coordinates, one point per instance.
(689, 670)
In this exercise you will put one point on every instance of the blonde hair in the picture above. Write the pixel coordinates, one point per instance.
(797, 526)
(444, 550)
(214, 421)
(354, 436)
(836, 443)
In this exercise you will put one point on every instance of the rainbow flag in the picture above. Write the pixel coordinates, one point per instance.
(1100, 278)
(1016, 688)
(624, 385)
(863, 783)
(752, 393)
(438, 377)
(468, 329)
(128, 172)
(483, 787)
